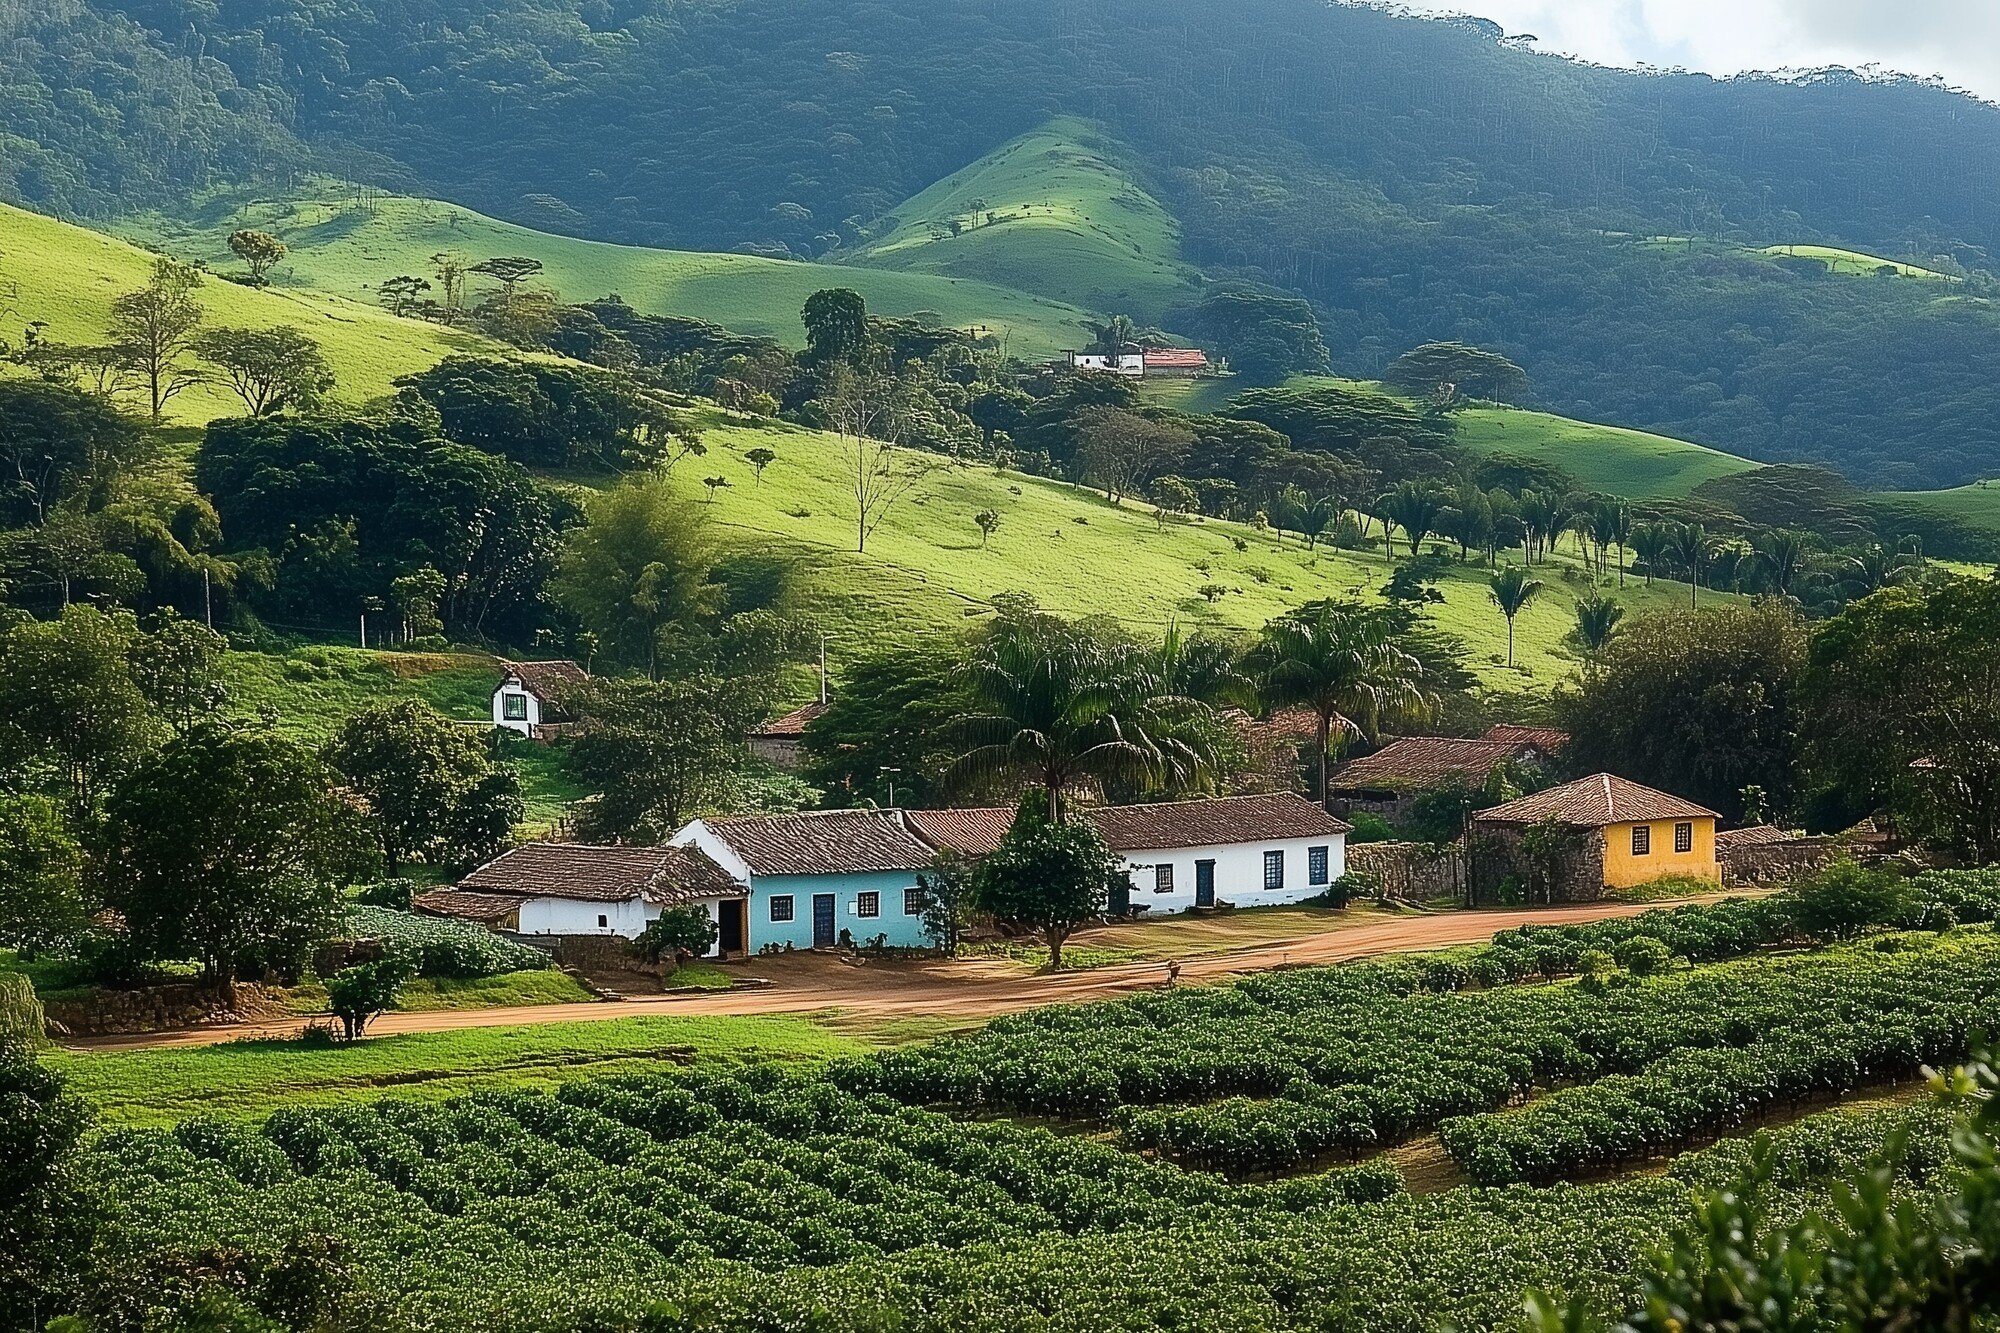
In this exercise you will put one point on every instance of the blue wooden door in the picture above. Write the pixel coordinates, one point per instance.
(823, 932)
(1204, 883)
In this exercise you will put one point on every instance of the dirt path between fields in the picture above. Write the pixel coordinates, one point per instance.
(869, 993)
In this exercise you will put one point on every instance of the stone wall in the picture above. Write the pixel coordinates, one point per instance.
(107, 1013)
(1497, 856)
(1414, 871)
(1767, 863)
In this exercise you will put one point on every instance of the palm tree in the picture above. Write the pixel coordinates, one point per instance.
(1596, 621)
(1414, 508)
(1512, 590)
(1691, 545)
(1610, 522)
(1541, 515)
(1621, 532)
(1340, 661)
(1649, 543)
(1317, 516)
(1059, 707)
(1781, 555)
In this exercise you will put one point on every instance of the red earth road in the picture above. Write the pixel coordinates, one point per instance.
(816, 984)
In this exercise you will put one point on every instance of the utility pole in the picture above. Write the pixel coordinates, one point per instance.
(207, 607)
(822, 672)
(364, 629)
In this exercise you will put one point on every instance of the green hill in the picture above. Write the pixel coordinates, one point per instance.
(1051, 212)
(926, 569)
(1631, 463)
(67, 277)
(348, 244)
(1854, 263)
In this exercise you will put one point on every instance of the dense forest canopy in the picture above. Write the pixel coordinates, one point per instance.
(1418, 180)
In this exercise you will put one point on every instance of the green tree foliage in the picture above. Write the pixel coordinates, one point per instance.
(677, 932)
(1058, 706)
(42, 904)
(1047, 875)
(658, 753)
(1903, 703)
(539, 413)
(432, 790)
(1698, 703)
(1449, 371)
(1344, 663)
(1122, 452)
(72, 719)
(358, 995)
(1512, 590)
(58, 444)
(836, 323)
(178, 668)
(259, 251)
(45, 1215)
(639, 571)
(1265, 334)
(228, 847)
(154, 328)
(945, 894)
(890, 710)
(271, 370)
(1840, 901)
(340, 507)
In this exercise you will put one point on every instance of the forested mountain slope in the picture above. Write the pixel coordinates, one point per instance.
(1416, 179)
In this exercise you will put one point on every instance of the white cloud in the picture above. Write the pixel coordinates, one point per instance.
(1957, 39)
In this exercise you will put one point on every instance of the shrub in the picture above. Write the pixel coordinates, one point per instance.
(390, 893)
(676, 931)
(358, 994)
(1840, 901)
(1369, 827)
(442, 948)
(20, 1011)
(1643, 955)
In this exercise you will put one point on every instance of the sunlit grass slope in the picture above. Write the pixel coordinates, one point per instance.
(1855, 263)
(926, 571)
(349, 243)
(1611, 459)
(1067, 222)
(67, 277)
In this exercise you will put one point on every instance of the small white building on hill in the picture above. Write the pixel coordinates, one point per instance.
(556, 889)
(528, 698)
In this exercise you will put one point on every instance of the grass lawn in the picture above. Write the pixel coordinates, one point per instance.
(346, 242)
(1855, 263)
(68, 276)
(242, 1080)
(1067, 222)
(1188, 936)
(547, 985)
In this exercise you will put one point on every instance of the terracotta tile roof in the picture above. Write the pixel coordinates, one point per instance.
(485, 908)
(1542, 738)
(1425, 761)
(547, 681)
(1595, 802)
(667, 876)
(967, 832)
(1177, 358)
(791, 726)
(1757, 835)
(824, 842)
(1213, 823)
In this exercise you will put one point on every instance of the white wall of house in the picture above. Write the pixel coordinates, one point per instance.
(1129, 364)
(575, 916)
(1239, 873)
(523, 701)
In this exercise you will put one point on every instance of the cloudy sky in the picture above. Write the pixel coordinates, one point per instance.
(1959, 39)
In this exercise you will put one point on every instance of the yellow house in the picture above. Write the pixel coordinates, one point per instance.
(1634, 833)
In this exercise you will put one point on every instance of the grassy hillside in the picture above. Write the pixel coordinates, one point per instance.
(1976, 506)
(926, 571)
(1057, 216)
(1854, 263)
(348, 244)
(1611, 459)
(68, 277)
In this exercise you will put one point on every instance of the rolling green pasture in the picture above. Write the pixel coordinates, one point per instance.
(348, 243)
(1856, 263)
(1611, 459)
(67, 277)
(250, 1079)
(926, 571)
(1069, 223)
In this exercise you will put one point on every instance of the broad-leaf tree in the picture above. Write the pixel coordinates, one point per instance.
(658, 753)
(271, 370)
(71, 716)
(638, 571)
(1048, 875)
(1341, 661)
(154, 328)
(432, 790)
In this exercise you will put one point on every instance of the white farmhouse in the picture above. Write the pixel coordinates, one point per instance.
(557, 889)
(1240, 851)
(1129, 362)
(528, 698)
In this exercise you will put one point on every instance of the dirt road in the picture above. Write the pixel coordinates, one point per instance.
(887, 991)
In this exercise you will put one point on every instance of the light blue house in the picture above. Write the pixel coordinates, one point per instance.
(815, 880)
